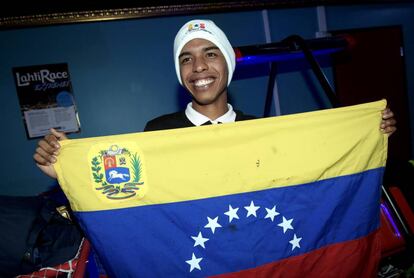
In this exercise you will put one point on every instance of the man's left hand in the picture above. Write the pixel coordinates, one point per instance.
(388, 123)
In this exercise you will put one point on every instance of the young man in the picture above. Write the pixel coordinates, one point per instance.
(204, 62)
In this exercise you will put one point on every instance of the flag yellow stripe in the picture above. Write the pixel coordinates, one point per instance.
(195, 163)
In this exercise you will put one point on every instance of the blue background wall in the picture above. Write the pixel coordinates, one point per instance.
(123, 74)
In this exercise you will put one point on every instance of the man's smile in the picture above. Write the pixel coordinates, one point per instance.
(199, 83)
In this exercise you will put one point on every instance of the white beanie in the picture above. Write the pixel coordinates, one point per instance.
(204, 29)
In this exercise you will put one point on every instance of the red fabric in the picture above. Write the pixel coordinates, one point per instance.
(355, 258)
(51, 272)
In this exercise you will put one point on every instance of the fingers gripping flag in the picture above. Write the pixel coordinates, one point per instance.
(291, 196)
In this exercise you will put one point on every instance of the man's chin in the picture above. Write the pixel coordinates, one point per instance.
(203, 102)
(208, 97)
(202, 98)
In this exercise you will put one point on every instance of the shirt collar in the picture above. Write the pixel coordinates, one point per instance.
(198, 119)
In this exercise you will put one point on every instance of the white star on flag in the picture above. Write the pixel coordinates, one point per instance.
(199, 240)
(251, 210)
(271, 213)
(212, 224)
(286, 224)
(194, 263)
(295, 242)
(232, 213)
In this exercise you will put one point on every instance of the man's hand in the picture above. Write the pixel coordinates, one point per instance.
(47, 151)
(388, 122)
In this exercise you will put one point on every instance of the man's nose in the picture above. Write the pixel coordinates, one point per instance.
(199, 65)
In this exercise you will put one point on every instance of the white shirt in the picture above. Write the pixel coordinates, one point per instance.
(198, 119)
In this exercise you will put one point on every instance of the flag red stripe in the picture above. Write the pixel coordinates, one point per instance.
(354, 258)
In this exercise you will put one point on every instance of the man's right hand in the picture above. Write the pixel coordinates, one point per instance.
(47, 151)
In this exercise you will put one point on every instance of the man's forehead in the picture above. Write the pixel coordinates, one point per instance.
(198, 44)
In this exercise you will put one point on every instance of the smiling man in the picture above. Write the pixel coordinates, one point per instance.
(204, 62)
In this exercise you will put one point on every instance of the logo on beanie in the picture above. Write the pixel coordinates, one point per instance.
(196, 26)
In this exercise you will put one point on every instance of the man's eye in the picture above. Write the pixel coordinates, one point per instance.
(185, 60)
(211, 55)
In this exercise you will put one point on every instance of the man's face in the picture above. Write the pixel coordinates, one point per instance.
(204, 72)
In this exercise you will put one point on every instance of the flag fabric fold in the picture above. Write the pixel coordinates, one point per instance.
(294, 195)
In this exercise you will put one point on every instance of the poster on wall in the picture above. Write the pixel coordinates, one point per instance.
(46, 99)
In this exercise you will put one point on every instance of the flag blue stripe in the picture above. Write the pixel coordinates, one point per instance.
(156, 240)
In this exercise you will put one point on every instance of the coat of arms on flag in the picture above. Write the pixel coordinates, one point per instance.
(116, 172)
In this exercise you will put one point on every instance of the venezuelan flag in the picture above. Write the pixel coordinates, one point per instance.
(289, 196)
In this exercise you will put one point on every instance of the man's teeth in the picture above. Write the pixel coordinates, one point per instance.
(203, 82)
